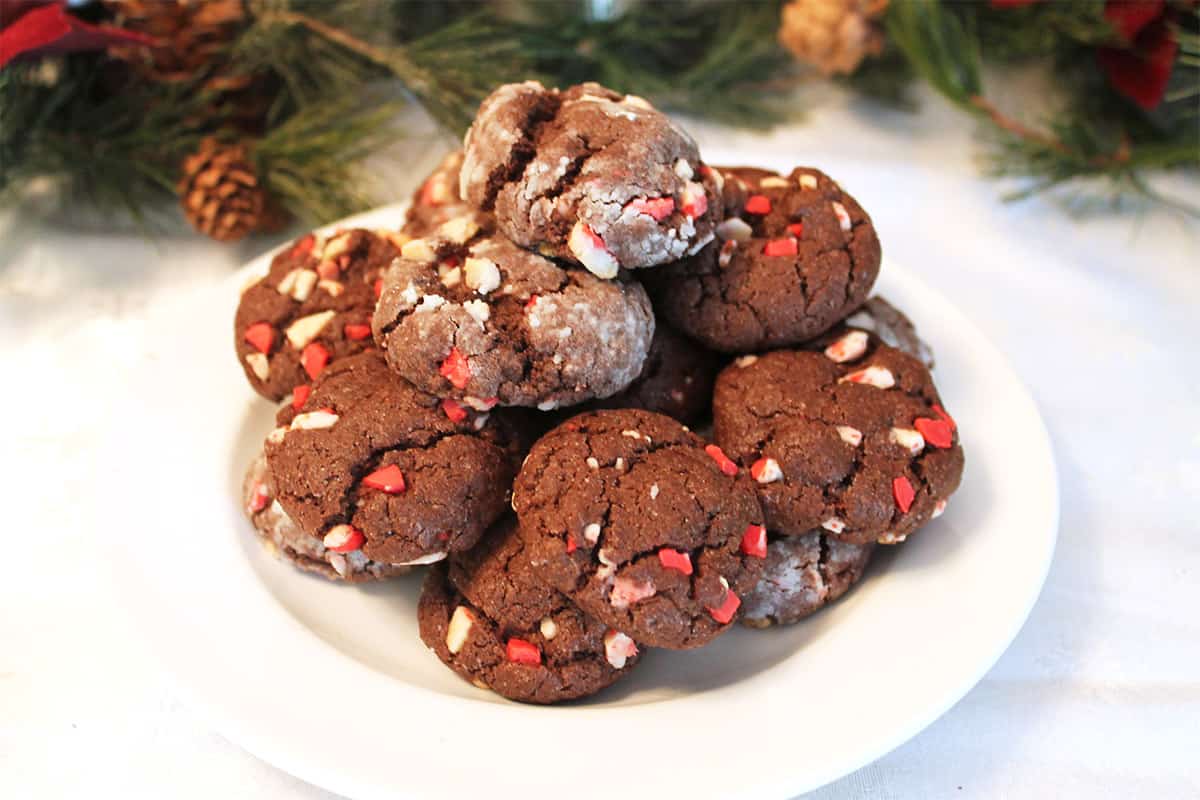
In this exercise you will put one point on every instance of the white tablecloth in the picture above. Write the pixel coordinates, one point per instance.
(1098, 696)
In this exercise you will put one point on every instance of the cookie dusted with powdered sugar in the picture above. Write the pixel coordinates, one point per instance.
(802, 575)
(588, 175)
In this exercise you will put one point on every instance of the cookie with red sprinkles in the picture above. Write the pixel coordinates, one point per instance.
(284, 539)
(588, 175)
(436, 200)
(851, 440)
(488, 617)
(642, 524)
(802, 575)
(793, 255)
(371, 464)
(313, 307)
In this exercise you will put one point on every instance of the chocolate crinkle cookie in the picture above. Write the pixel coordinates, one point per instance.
(370, 463)
(851, 440)
(284, 538)
(467, 314)
(888, 323)
(313, 307)
(793, 256)
(641, 524)
(588, 175)
(803, 574)
(488, 617)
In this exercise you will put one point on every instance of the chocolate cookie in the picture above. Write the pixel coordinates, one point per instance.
(588, 175)
(796, 256)
(436, 200)
(889, 323)
(313, 307)
(494, 623)
(676, 379)
(852, 440)
(645, 527)
(803, 573)
(371, 463)
(470, 315)
(284, 538)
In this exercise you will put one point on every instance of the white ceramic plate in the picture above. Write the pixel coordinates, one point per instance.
(332, 683)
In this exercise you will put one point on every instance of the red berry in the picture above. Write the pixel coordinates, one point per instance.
(378, 287)
(796, 229)
(520, 651)
(903, 493)
(674, 559)
(758, 204)
(356, 331)
(456, 369)
(941, 412)
(386, 479)
(718, 455)
(754, 541)
(658, 207)
(729, 606)
(571, 544)
(260, 336)
(454, 410)
(303, 246)
(313, 358)
(936, 432)
(300, 393)
(780, 247)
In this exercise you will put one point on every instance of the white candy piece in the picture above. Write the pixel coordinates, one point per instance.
(432, 558)
(833, 525)
(773, 182)
(808, 181)
(276, 435)
(910, 440)
(769, 472)
(288, 283)
(592, 532)
(592, 462)
(631, 434)
(479, 310)
(458, 629)
(654, 491)
(891, 538)
(305, 329)
(459, 229)
(618, 648)
(843, 216)
(734, 229)
(449, 276)
(337, 536)
(339, 244)
(549, 628)
(726, 253)
(939, 508)
(848, 348)
(638, 102)
(418, 250)
(745, 361)
(851, 436)
(305, 281)
(879, 377)
(331, 287)
(547, 405)
(481, 274)
(259, 365)
(627, 591)
(589, 248)
(314, 420)
(430, 302)
(683, 169)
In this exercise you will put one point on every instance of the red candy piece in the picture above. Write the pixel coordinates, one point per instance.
(673, 559)
(430, 196)
(658, 207)
(754, 541)
(696, 206)
(300, 393)
(386, 479)
(937, 432)
(344, 539)
(328, 270)
(303, 246)
(453, 410)
(356, 331)
(378, 287)
(520, 651)
(780, 247)
(718, 455)
(796, 229)
(314, 357)
(259, 498)
(758, 204)
(530, 303)
(456, 369)
(260, 336)
(571, 544)
(941, 412)
(903, 493)
(729, 606)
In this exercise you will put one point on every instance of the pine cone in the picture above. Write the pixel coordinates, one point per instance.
(832, 35)
(192, 33)
(220, 193)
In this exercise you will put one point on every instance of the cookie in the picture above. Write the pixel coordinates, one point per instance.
(676, 379)
(642, 524)
(286, 540)
(436, 200)
(852, 440)
(488, 617)
(313, 307)
(370, 463)
(802, 574)
(795, 256)
(887, 322)
(467, 314)
(588, 175)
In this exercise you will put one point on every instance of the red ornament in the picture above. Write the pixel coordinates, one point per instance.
(1142, 71)
(49, 30)
(1129, 17)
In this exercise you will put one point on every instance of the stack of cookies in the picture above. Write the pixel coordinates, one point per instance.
(503, 387)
